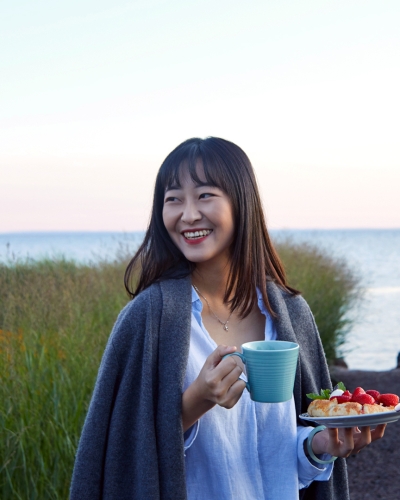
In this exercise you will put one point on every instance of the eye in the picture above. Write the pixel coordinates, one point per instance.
(205, 196)
(170, 198)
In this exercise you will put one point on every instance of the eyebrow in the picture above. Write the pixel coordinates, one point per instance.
(197, 185)
(172, 187)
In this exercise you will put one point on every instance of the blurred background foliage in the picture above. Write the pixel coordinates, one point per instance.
(55, 318)
(330, 287)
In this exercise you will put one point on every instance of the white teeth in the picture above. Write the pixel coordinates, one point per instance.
(197, 234)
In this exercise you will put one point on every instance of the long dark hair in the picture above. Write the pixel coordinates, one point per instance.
(254, 259)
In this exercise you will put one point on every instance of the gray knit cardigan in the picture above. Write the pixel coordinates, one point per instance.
(131, 445)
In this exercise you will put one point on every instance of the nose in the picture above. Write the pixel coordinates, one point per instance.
(190, 213)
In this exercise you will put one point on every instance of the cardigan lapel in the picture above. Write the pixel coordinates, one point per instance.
(285, 331)
(175, 323)
(282, 322)
(173, 351)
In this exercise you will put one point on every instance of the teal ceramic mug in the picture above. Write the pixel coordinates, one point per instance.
(271, 369)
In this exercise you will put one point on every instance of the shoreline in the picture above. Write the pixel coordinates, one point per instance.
(383, 381)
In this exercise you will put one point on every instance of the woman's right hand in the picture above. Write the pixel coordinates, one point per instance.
(218, 383)
(218, 380)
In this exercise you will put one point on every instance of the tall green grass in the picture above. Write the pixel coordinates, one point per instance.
(55, 318)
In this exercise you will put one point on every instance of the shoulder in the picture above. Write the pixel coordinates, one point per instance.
(170, 297)
(140, 315)
(161, 294)
(142, 303)
(298, 306)
(283, 301)
(160, 297)
(301, 315)
(293, 316)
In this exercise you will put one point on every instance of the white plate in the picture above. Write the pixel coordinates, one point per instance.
(372, 419)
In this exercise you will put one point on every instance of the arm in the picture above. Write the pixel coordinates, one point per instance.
(110, 453)
(218, 383)
(308, 469)
(87, 479)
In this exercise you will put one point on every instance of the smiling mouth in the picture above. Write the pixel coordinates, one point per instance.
(197, 234)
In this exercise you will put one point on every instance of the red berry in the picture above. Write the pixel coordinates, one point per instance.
(347, 393)
(374, 394)
(357, 391)
(342, 399)
(388, 399)
(363, 399)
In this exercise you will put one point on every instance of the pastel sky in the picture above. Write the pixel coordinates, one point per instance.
(95, 94)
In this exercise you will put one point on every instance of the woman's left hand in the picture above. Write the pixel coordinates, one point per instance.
(347, 441)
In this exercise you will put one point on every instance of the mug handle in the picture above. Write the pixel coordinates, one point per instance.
(244, 362)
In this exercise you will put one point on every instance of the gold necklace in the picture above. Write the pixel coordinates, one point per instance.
(223, 323)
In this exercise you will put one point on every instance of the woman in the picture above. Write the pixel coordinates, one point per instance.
(169, 418)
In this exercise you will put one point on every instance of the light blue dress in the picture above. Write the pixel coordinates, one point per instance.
(253, 451)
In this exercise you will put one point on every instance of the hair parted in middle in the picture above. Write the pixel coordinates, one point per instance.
(254, 260)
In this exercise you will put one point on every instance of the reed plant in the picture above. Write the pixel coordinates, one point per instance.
(330, 287)
(55, 318)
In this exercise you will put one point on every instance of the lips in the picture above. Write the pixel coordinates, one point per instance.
(196, 235)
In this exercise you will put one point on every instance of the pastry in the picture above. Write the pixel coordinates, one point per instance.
(343, 403)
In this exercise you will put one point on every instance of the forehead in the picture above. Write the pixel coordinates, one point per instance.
(196, 176)
(190, 171)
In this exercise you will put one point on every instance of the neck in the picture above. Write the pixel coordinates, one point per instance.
(211, 280)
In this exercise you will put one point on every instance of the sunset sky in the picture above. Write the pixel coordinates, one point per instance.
(95, 94)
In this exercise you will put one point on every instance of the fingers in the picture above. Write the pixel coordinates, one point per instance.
(222, 367)
(362, 439)
(232, 376)
(340, 444)
(226, 392)
(233, 394)
(227, 373)
(378, 432)
(366, 436)
(218, 379)
(344, 442)
(214, 359)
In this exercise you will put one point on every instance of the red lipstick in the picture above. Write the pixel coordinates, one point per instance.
(194, 241)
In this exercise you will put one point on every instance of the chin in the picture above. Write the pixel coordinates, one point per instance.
(197, 259)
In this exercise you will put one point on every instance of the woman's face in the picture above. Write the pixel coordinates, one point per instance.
(199, 219)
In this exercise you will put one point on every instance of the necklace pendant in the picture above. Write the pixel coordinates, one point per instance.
(224, 325)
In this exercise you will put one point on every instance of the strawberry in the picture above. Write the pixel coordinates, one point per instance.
(347, 393)
(357, 391)
(374, 394)
(342, 399)
(363, 399)
(388, 399)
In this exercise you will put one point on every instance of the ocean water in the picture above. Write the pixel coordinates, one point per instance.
(84, 247)
(372, 344)
(374, 341)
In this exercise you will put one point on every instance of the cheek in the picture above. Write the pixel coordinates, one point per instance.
(168, 220)
(228, 221)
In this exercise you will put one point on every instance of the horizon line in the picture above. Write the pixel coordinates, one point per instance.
(122, 231)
